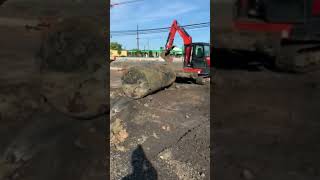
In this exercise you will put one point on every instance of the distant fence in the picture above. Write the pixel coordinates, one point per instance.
(125, 62)
(145, 59)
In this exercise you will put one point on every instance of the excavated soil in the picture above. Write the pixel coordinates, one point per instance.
(167, 132)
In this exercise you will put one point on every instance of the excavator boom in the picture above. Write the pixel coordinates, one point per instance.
(187, 40)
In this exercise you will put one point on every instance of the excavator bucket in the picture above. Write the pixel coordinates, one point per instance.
(166, 55)
(167, 58)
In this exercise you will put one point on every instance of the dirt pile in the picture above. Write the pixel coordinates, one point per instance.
(140, 81)
(73, 70)
(118, 132)
(69, 45)
(80, 95)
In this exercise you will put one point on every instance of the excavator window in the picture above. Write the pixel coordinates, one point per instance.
(207, 51)
(199, 52)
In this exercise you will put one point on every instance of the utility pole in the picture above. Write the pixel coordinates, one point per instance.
(137, 37)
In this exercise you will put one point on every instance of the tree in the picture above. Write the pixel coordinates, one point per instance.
(116, 46)
(150, 53)
(138, 52)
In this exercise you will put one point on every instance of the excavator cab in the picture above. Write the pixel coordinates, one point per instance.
(199, 60)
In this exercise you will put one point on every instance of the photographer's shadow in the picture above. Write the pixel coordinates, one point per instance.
(142, 167)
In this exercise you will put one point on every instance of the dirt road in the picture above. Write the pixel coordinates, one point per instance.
(168, 132)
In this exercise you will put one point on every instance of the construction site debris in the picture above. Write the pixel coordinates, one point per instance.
(118, 132)
(140, 81)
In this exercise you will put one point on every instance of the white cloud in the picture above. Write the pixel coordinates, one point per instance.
(149, 12)
(169, 10)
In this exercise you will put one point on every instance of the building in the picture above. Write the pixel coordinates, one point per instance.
(177, 52)
(144, 53)
(116, 53)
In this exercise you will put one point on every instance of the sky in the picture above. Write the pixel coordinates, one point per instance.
(149, 14)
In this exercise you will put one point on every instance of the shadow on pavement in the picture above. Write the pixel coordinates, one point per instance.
(142, 167)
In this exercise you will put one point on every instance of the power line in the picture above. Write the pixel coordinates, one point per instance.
(124, 2)
(157, 30)
(152, 32)
(185, 26)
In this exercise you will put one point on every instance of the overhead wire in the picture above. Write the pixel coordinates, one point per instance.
(150, 32)
(153, 31)
(157, 30)
(185, 26)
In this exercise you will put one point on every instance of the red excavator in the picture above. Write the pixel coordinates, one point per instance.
(289, 31)
(196, 55)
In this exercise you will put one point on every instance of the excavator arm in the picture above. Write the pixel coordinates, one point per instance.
(187, 40)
